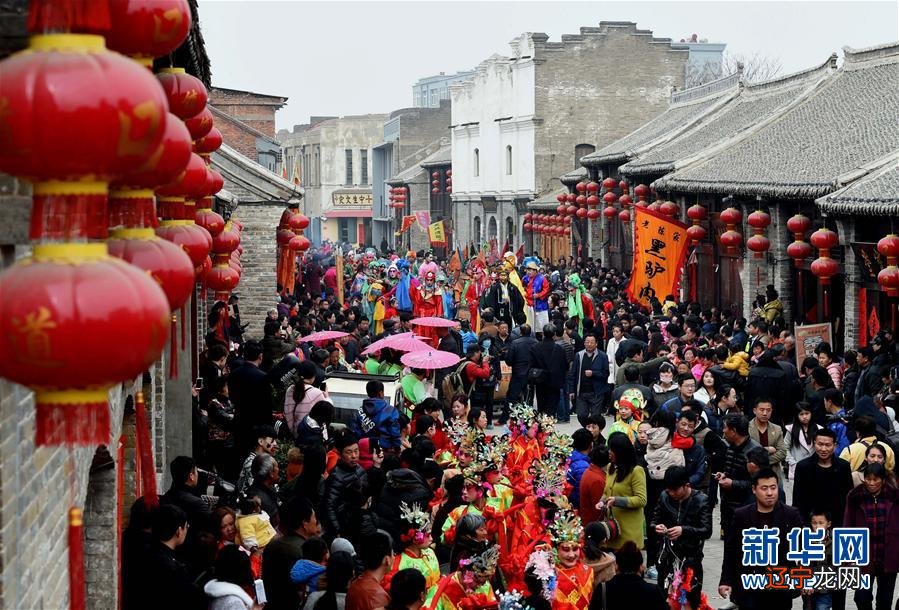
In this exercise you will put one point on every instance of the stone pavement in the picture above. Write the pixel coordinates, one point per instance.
(714, 548)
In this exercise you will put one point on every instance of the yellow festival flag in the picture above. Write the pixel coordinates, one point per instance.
(660, 247)
(435, 234)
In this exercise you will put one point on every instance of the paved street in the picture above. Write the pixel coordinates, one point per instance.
(714, 548)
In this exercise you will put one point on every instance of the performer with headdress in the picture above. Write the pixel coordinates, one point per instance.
(629, 407)
(575, 579)
(475, 492)
(417, 552)
(580, 305)
(524, 432)
(468, 588)
(427, 301)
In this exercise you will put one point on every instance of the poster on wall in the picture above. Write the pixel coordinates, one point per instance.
(808, 337)
(660, 248)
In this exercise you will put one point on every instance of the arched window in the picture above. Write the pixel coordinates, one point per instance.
(510, 230)
(477, 230)
(491, 228)
(509, 160)
(477, 162)
(582, 150)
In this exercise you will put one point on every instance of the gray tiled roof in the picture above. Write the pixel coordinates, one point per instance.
(547, 201)
(407, 175)
(873, 195)
(755, 104)
(443, 156)
(687, 106)
(846, 125)
(574, 176)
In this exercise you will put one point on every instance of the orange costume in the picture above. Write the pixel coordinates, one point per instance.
(574, 587)
(427, 300)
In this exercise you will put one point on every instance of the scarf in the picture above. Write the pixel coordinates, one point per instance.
(575, 304)
(682, 442)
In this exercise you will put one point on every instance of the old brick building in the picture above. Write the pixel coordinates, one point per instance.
(526, 119)
(247, 122)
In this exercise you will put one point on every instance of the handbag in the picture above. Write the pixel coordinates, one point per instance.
(537, 376)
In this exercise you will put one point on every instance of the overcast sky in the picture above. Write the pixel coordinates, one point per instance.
(342, 58)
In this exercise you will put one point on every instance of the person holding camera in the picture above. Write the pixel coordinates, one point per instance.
(683, 519)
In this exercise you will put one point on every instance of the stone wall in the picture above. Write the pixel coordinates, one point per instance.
(257, 280)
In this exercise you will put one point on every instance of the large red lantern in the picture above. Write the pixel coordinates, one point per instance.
(824, 267)
(200, 124)
(668, 208)
(696, 233)
(624, 215)
(581, 213)
(561, 210)
(298, 222)
(571, 197)
(187, 94)
(222, 278)
(888, 277)
(299, 244)
(758, 243)
(144, 29)
(697, 214)
(609, 198)
(592, 201)
(581, 200)
(593, 213)
(209, 143)
(799, 250)
(561, 198)
(610, 212)
(528, 217)
(571, 210)
(609, 183)
(580, 187)
(592, 187)
(641, 191)
(731, 239)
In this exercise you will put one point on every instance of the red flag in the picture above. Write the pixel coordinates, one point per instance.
(519, 254)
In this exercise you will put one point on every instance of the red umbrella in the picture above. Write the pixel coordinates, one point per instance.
(434, 322)
(430, 359)
(325, 335)
(403, 342)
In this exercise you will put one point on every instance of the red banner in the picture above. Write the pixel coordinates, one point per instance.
(660, 248)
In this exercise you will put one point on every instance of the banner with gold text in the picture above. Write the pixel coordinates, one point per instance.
(436, 234)
(660, 248)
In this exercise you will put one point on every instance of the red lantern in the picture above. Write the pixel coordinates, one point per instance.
(888, 277)
(731, 240)
(824, 267)
(222, 278)
(227, 241)
(609, 183)
(209, 143)
(623, 186)
(592, 187)
(758, 243)
(561, 198)
(731, 217)
(641, 191)
(581, 213)
(592, 201)
(799, 251)
(527, 227)
(668, 208)
(528, 217)
(162, 260)
(696, 233)
(200, 124)
(697, 213)
(654, 206)
(561, 210)
(799, 226)
(209, 220)
(609, 198)
(610, 212)
(624, 215)
(449, 172)
(572, 210)
(435, 175)
(571, 197)
(593, 213)
(187, 95)
(144, 29)
(298, 222)
(61, 324)
(624, 200)
(580, 187)
(581, 200)
(299, 244)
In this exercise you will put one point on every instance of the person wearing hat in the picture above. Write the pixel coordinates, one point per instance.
(416, 542)
(427, 301)
(629, 414)
(469, 586)
(574, 587)
(580, 304)
(537, 289)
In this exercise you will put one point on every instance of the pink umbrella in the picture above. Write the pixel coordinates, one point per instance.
(324, 335)
(434, 322)
(431, 359)
(403, 342)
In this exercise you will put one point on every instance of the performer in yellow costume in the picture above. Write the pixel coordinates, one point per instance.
(417, 552)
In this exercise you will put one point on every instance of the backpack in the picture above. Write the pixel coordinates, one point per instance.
(454, 384)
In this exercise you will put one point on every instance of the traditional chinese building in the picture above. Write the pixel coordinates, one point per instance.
(333, 159)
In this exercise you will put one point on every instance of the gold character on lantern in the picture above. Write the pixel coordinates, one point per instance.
(133, 141)
(167, 26)
(35, 340)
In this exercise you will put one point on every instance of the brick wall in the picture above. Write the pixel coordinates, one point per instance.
(597, 87)
(257, 281)
(238, 138)
(256, 110)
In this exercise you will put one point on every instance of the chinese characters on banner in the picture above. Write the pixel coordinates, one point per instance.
(660, 247)
(424, 219)
(351, 199)
(408, 221)
(436, 235)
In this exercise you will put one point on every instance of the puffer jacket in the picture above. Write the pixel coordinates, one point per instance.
(402, 485)
(693, 515)
(341, 479)
(227, 596)
(738, 362)
(735, 469)
(378, 419)
(660, 455)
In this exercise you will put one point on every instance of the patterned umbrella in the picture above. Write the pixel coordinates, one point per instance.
(430, 359)
(403, 342)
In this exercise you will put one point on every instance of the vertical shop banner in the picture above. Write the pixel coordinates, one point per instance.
(660, 248)
(424, 219)
(436, 234)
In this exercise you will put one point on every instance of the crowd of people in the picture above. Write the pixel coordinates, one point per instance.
(464, 494)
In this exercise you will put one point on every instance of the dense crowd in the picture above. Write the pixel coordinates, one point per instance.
(461, 492)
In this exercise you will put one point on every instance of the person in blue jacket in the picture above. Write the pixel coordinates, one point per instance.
(377, 419)
(578, 462)
(836, 417)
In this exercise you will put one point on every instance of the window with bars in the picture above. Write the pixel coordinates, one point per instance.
(349, 166)
(363, 166)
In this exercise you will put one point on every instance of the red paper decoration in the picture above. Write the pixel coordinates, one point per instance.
(580, 187)
(609, 183)
(888, 277)
(668, 208)
(187, 94)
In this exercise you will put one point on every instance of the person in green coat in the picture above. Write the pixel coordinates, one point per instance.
(625, 491)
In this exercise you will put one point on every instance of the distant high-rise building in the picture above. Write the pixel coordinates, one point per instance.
(428, 91)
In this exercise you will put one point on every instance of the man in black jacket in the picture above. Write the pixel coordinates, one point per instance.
(768, 380)
(299, 523)
(628, 589)
(251, 395)
(347, 476)
(518, 356)
(183, 492)
(735, 481)
(682, 515)
(505, 300)
(588, 381)
(765, 512)
(402, 485)
(550, 357)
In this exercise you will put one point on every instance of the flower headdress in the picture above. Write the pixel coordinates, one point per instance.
(558, 448)
(547, 423)
(456, 430)
(541, 564)
(512, 600)
(521, 416)
(548, 480)
(566, 527)
(483, 562)
(418, 520)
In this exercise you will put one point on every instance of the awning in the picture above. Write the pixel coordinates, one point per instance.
(348, 213)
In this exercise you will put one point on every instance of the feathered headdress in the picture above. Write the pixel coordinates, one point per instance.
(566, 527)
(521, 416)
(541, 564)
(419, 523)
(483, 562)
(558, 448)
(547, 423)
(548, 480)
